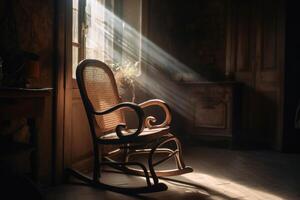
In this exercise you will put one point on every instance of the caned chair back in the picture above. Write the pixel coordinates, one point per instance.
(99, 92)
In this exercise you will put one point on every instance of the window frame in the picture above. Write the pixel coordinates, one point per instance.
(115, 6)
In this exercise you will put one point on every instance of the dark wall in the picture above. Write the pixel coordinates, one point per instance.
(291, 137)
(28, 25)
(193, 31)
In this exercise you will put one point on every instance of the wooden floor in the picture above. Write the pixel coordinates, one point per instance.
(219, 174)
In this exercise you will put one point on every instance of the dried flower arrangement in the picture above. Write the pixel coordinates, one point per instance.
(125, 74)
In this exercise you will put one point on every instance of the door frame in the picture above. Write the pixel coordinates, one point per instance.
(63, 57)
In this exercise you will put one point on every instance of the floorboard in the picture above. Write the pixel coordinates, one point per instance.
(219, 174)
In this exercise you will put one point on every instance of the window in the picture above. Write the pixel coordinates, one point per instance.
(101, 31)
(75, 36)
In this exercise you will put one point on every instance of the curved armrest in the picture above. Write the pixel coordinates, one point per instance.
(141, 117)
(150, 119)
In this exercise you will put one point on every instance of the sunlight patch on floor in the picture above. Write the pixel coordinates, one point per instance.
(230, 188)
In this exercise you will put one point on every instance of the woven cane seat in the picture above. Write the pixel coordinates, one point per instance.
(146, 135)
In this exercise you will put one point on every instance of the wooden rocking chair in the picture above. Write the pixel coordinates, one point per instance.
(104, 111)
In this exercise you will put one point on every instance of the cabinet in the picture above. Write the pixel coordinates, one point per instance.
(29, 104)
(215, 112)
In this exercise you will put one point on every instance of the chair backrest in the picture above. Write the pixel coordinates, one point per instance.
(99, 92)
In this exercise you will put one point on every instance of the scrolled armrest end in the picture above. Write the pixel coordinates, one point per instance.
(150, 120)
(121, 127)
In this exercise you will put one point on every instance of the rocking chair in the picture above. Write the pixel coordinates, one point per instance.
(104, 111)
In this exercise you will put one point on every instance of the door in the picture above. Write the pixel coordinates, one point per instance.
(269, 69)
(256, 59)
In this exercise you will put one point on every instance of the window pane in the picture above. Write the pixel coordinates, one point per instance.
(95, 33)
(75, 4)
(111, 40)
(75, 21)
(132, 38)
(74, 61)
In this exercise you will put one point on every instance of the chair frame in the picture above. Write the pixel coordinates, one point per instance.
(125, 140)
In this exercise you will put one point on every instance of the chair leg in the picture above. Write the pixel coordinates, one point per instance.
(156, 187)
(177, 154)
(95, 179)
(133, 190)
(181, 168)
(125, 167)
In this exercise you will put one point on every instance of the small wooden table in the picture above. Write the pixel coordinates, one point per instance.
(33, 105)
